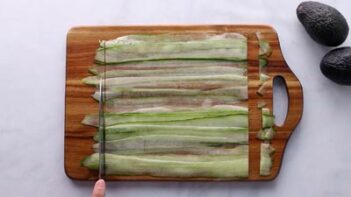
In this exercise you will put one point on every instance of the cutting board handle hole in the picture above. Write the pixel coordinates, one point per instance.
(280, 100)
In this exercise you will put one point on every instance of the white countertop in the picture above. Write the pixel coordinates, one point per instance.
(32, 61)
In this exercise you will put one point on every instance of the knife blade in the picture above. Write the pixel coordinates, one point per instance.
(101, 132)
(102, 122)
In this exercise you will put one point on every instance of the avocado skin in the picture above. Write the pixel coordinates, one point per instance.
(336, 65)
(323, 23)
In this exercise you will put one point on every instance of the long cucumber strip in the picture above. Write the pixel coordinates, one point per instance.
(135, 81)
(123, 131)
(198, 150)
(175, 102)
(169, 142)
(229, 46)
(210, 119)
(207, 131)
(214, 166)
(197, 85)
(145, 66)
(187, 71)
(169, 37)
(239, 120)
(166, 117)
(239, 92)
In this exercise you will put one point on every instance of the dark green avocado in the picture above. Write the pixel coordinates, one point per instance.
(336, 65)
(323, 23)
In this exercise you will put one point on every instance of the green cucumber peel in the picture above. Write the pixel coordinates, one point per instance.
(266, 160)
(266, 134)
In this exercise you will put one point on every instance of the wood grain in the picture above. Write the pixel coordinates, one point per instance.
(81, 45)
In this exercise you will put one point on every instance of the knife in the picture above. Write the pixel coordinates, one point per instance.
(102, 124)
(101, 131)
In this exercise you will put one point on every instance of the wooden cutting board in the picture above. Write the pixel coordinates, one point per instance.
(81, 45)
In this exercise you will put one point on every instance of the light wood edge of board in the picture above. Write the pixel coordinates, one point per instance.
(276, 67)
